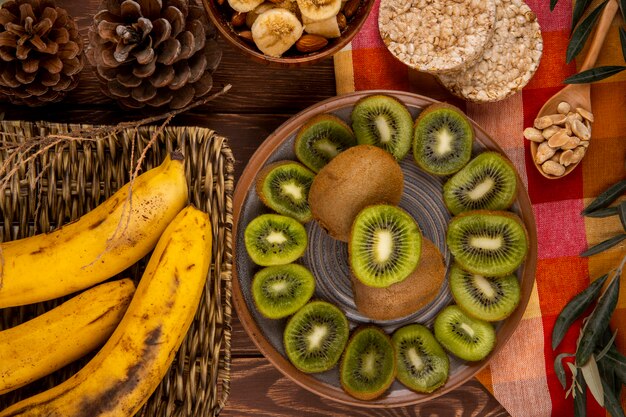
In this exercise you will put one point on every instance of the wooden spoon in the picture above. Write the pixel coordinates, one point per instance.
(578, 95)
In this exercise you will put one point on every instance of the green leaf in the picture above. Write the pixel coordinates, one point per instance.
(618, 362)
(604, 351)
(574, 309)
(603, 212)
(611, 402)
(606, 197)
(580, 400)
(604, 245)
(598, 322)
(553, 4)
(622, 38)
(622, 5)
(594, 74)
(559, 370)
(582, 32)
(579, 9)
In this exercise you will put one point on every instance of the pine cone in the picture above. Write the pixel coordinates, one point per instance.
(153, 52)
(40, 52)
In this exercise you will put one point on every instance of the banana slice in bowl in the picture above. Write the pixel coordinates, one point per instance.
(275, 31)
(319, 9)
(244, 6)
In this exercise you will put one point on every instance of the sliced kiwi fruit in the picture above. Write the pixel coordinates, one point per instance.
(316, 336)
(385, 245)
(281, 290)
(422, 363)
(465, 337)
(284, 187)
(368, 366)
(272, 239)
(487, 182)
(490, 243)
(442, 139)
(484, 298)
(358, 177)
(407, 296)
(321, 139)
(385, 122)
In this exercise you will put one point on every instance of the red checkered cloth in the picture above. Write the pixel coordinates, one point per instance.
(522, 376)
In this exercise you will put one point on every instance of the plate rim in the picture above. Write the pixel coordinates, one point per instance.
(307, 381)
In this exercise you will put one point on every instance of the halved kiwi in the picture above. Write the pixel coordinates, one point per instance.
(272, 239)
(385, 122)
(358, 177)
(465, 337)
(490, 243)
(281, 290)
(385, 245)
(485, 298)
(368, 366)
(487, 182)
(422, 363)
(316, 336)
(284, 187)
(322, 138)
(407, 296)
(442, 139)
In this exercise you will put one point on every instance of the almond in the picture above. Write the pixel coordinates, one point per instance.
(350, 8)
(342, 22)
(311, 43)
(238, 19)
(246, 35)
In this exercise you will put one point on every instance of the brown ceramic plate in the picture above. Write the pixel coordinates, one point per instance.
(328, 259)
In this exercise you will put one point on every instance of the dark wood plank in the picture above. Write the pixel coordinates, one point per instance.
(259, 390)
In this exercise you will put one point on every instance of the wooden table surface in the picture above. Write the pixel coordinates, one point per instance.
(260, 100)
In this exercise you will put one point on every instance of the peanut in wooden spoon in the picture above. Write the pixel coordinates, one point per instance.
(578, 95)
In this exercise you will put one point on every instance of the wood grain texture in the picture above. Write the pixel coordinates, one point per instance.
(259, 390)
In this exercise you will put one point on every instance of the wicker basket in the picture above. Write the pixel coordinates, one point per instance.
(68, 181)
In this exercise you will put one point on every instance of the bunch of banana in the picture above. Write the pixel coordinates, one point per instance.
(125, 372)
(99, 245)
(60, 336)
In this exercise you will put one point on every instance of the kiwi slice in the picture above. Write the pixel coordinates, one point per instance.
(442, 139)
(465, 337)
(485, 298)
(272, 239)
(322, 138)
(486, 182)
(490, 243)
(368, 366)
(284, 187)
(315, 337)
(281, 290)
(422, 363)
(385, 122)
(385, 245)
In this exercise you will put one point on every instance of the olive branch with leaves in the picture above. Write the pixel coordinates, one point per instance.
(579, 35)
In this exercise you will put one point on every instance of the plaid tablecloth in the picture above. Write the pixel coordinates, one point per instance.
(521, 376)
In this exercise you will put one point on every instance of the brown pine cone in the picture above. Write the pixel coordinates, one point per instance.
(40, 52)
(153, 52)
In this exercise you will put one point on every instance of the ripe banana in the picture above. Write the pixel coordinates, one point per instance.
(319, 9)
(129, 367)
(275, 31)
(100, 244)
(244, 6)
(58, 337)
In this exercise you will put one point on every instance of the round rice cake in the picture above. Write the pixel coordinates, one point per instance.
(510, 60)
(437, 36)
